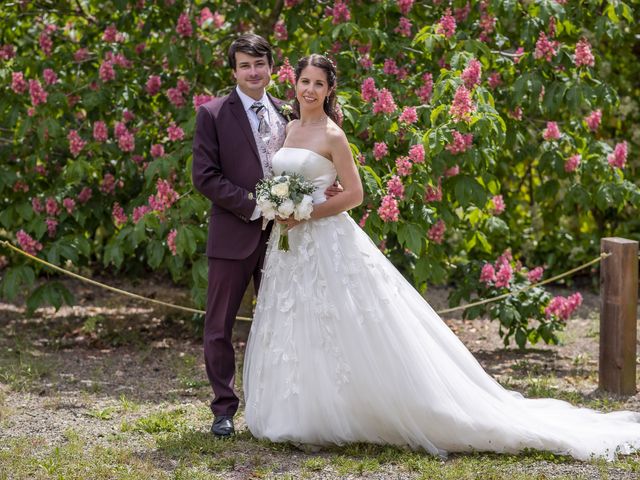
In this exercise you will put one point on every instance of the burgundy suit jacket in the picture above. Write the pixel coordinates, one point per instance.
(226, 168)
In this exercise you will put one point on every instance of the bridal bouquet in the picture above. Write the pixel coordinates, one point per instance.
(282, 196)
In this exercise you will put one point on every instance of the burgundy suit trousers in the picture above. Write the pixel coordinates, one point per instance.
(228, 280)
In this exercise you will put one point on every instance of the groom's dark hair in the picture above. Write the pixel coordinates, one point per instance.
(251, 44)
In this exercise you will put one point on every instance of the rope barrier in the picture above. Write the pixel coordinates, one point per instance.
(9, 245)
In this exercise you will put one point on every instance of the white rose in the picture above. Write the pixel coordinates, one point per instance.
(268, 209)
(280, 189)
(304, 208)
(286, 208)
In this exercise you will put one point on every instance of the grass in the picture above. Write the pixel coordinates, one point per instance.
(147, 440)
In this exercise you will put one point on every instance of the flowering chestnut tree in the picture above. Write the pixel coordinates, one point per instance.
(477, 125)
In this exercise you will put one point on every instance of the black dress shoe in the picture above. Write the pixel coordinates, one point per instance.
(223, 426)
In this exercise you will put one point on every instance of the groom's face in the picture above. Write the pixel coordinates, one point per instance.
(252, 74)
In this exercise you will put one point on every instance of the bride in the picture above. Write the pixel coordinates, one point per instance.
(343, 349)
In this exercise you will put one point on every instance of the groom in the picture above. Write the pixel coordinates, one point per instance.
(235, 138)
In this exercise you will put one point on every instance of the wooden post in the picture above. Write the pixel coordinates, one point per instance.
(618, 316)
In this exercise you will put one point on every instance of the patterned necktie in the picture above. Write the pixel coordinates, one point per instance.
(263, 126)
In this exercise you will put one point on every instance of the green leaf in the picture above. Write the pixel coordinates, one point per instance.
(155, 253)
(468, 191)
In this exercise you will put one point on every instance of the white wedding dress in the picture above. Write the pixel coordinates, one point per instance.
(343, 349)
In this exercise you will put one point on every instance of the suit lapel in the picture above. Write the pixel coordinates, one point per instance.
(241, 116)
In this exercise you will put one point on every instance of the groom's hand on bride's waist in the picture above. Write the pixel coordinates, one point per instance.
(333, 190)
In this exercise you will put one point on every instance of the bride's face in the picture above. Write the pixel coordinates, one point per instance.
(312, 87)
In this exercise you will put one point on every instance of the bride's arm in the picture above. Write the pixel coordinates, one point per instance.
(352, 194)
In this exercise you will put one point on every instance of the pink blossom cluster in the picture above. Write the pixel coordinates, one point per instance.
(571, 163)
(583, 56)
(461, 13)
(85, 195)
(27, 243)
(174, 132)
(216, 19)
(118, 59)
(165, 196)
(551, 132)
(119, 217)
(184, 28)
(618, 157)
(368, 89)
(404, 6)
(19, 185)
(69, 205)
(126, 140)
(171, 241)
(433, 194)
(100, 131)
(175, 97)
(286, 73)
(380, 149)
(7, 52)
(500, 273)
(339, 12)
(461, 142)
(36, 205)
(390, 67)
(45, 42)
(409, 115)
(106, 71)
(52, 226)
(404, 27)
(153, 84)
(366, 62)
(472, 73)
(562, 307)
(453, 171)
(112, 35)
(395, 188)
(436, 232)
(280, 30)
(81, 55)
(593, 120)
(446, 25)
(545, 48)
(38, 94)
(426, 89)
(388, 210)
(403, 166)
(487, 24)
(18, 83)
(416, 153)
(139, 212)
(494, 80)
(535, 275)
(50, 77)
(51, 207)
(497, 204)
(157, 150)
(384, 102)
(363, 220)
(76, 144)
(108, 185)
(201, 99)
(462, 106)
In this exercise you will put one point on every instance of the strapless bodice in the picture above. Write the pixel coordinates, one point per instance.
(311, 165)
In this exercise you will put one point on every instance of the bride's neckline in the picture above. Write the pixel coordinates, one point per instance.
(309, 150)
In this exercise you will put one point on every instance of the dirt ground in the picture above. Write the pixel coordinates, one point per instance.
(78, 368)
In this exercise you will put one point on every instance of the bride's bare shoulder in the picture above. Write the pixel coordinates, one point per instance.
(291, 125)
(335, 134)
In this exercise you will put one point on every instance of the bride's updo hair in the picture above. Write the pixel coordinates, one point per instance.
(320, 61)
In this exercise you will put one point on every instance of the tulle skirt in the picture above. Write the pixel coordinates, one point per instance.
(343, 349)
